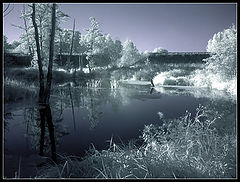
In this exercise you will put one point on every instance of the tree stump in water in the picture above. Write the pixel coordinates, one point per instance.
(152, 83)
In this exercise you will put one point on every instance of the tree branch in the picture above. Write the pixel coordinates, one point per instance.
(6, 8)
(9, 11)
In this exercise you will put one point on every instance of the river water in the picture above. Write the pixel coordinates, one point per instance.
(82, 116)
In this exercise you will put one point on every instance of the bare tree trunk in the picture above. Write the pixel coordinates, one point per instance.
(41, 75)
(89, 68)
(81, 61)
(46, 116)
(90, 58)
(51, 52)
(41, 37)
(71, 48)
(26, 29)
(60, 48)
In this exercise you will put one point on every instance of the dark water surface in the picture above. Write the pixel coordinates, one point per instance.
(85, 116)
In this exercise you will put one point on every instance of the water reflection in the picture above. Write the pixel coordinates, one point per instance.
(44, 131)
(82, 113)
(46, 117)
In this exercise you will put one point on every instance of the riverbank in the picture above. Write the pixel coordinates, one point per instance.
(185, 151)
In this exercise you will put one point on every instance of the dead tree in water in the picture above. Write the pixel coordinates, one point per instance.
(46, 117)
(152, 83)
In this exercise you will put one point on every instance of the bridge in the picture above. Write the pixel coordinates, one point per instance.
(178, 57)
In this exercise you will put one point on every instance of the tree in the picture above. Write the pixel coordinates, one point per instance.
(44, 94)
(27, 33)
(220, 68)
(112, 49)
(6, 45)
(160, 50)
(43, 20)
(130, 54)
(71, 47)
(7, 11)
(14, 44)
(76, 42)
(90, 40)
(223, 53)
(51, 54)
(106, 51)
(39, 60)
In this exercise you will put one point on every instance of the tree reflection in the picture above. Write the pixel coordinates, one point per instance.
(44, 131)
(93, 109)
(46, 117)
(93, 94)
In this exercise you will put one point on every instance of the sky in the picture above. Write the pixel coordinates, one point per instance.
(175, 27)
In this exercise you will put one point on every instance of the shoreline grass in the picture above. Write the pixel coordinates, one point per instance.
(31, 75)
(182, 148)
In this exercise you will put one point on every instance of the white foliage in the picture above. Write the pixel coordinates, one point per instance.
(205, 78)
(220, 70)
(160, 50)
(223, 49)
(130, 54)
(160, 114)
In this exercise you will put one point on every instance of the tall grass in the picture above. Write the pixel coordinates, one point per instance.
(187, 147)
(32, 75)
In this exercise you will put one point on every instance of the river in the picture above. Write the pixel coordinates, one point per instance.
(82, 116)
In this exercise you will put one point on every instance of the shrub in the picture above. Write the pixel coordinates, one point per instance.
(170, 81)
(194, 142)
(220, 68)
(224, 53)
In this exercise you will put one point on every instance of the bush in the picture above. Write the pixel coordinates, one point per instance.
(169, 81)
(220, 68)
(194, 142)
(224, 53)
(181, 81)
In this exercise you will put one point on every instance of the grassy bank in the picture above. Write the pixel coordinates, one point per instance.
(32, 75)
(15, 91)
(187, 147)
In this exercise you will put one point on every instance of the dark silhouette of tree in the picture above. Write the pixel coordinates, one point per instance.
(46, 116)
(27, 33)
(6, 11)
(51, 52)
(39, 61)
(44, 93)
(71, 47)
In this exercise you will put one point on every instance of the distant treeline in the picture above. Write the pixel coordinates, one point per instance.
(76, 61)
(178, 57)
(16, 60)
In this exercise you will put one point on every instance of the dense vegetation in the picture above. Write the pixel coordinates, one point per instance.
(220, 68)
